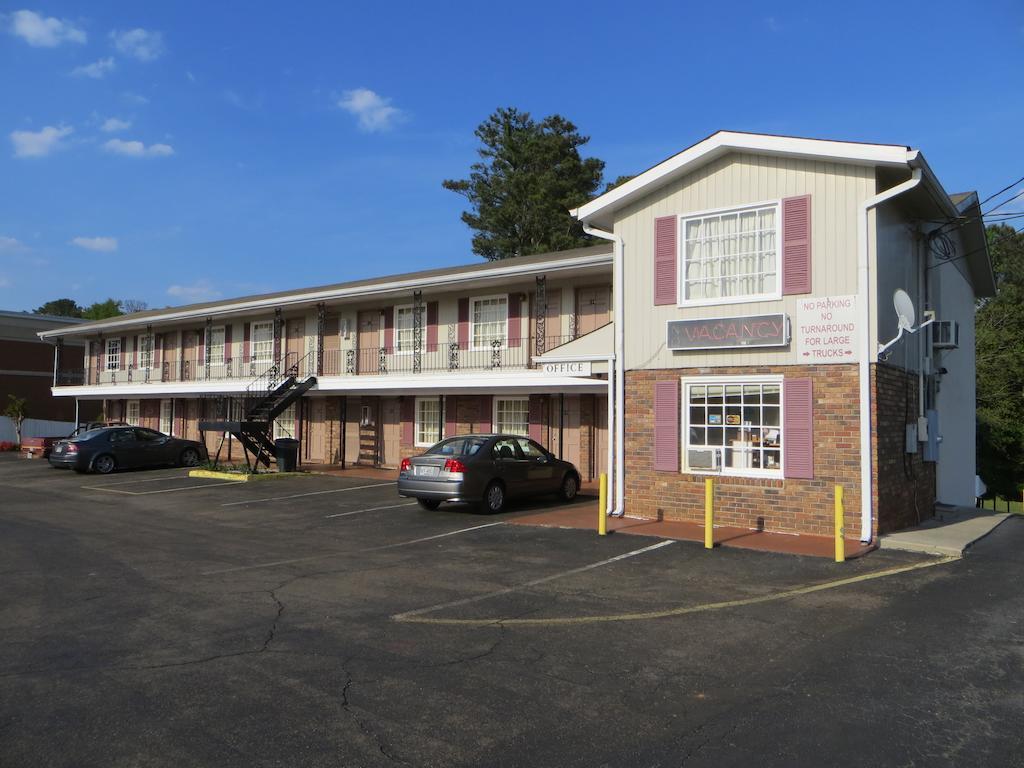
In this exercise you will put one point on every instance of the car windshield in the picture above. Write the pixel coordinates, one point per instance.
(88, 434)
(457, 446)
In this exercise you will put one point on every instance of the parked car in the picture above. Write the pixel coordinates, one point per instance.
(108, 448)
(89, 425)
(485, 470)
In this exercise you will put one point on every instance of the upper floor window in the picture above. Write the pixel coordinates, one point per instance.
(217, 345)
(263, 341)
(730, 256)
(405, 328)
(113, 354)
(490, 321)
(146, 351)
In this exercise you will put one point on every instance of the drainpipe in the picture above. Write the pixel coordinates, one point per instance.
(620, 365)
(868, 345)
(609, 427)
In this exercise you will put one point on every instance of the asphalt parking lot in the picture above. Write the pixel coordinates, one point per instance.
(155, 619)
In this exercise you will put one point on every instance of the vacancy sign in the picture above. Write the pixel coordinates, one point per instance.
(826, 330)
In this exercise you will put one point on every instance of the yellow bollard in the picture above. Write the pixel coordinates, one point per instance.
(602, 508)
(709, 514)
(840, 528)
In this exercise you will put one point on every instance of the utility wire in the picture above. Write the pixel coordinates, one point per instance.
(977, 250)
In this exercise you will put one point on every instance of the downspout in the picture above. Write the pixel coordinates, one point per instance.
(620, 365)
(868, 345)
(609, 428)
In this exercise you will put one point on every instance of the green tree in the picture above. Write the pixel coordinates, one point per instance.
(101, 310)
(618, 182)
(999, 328)
(15, 411)
(529, 175)
(60, 308)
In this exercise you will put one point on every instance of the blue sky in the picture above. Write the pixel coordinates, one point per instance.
(182, 151)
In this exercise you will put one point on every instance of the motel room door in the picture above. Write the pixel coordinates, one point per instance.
(314, 432)
(390, 427)
(295, 339)
(368, 341)
(593, 308)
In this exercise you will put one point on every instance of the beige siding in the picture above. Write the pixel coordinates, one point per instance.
(734, 180)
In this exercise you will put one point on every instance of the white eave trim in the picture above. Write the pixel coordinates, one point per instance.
(454, 279)
(727, 141)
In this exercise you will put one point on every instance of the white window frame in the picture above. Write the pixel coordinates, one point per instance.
(218, 352)
(112, 350)
(494, 415)
(681, 222)
(146, 352)
(288, 417)
(129, 406)
(252, 341)
(167, 416)
(472, 321)
(684, 426)
(398, 348)
(418, 422)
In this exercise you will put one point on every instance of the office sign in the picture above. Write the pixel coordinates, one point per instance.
(729, 332)
(567, 369)
(826, 329)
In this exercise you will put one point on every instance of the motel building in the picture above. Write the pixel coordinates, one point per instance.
(736, 321)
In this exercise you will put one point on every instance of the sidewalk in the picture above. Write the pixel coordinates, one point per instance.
(950, 532)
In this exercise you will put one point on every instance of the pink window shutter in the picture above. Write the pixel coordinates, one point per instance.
(486, 424)
(389, 328)
(537, 418)
(408, 419)
(796, 245)
(246, 342)
(514, 323)
(227, 343)
(666, 259)
(201, 342)
(135, 352)
(431, 326)
(158, 349)
(798, 428)
(666, 426)
(463, 323)
(450, 417)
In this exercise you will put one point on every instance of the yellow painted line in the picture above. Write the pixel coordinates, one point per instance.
(214, 475)
(413, 617)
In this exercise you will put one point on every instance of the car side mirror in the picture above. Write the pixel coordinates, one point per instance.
(542, 459)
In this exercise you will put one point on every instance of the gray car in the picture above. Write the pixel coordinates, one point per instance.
(485, 470)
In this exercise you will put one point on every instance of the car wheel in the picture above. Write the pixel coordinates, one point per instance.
(190, 457)
(430, 504)
(494, 498)
(104, 464)
(570, 487)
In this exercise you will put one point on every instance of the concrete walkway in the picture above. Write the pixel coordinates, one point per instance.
(950, 532)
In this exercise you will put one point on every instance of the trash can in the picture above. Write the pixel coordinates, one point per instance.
(286, 451)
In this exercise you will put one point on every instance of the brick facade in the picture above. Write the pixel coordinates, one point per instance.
(783, 505)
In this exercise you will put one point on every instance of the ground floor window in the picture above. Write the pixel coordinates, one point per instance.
(733, 425)
(167, 417)
(512, 415)
(284, 425)
(131, 414)
(428, 420)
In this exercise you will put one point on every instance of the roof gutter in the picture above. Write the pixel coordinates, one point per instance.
(351, 293)
(868, 347)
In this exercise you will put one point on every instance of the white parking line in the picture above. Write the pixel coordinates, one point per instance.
(528, 584)
(311, 493)
(276, 563)
(147, 480)
(371, 509)
(150, 493)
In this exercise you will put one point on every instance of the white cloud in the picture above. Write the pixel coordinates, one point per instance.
(97, 70)
(375, 113)
(102, 244)
(140, 44)
(134, 98)
(115, 124)
(138, 149)
(44, 32)
(39, 143)
(200, 290)
(9, 244)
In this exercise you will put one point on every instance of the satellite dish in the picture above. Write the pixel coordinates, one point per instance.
(904, 310)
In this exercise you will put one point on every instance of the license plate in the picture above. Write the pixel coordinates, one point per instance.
(59, 449)
(427, 471)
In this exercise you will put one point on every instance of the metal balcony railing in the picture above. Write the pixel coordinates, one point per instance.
(444, 357)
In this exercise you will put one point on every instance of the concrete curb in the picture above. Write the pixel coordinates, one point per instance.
(242, 477)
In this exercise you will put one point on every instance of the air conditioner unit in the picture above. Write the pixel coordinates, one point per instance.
(945, 334)
(704, 459)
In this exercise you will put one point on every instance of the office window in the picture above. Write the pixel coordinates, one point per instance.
(512, 415)
(733, 426)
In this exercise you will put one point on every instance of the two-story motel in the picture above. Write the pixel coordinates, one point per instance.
(729, 325)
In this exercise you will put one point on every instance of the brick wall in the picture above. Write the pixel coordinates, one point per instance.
(903, 484)
(784, 505)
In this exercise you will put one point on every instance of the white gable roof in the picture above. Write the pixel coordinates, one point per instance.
(722, 142)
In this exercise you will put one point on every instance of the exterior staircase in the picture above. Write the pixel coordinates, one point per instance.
(267, 397)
